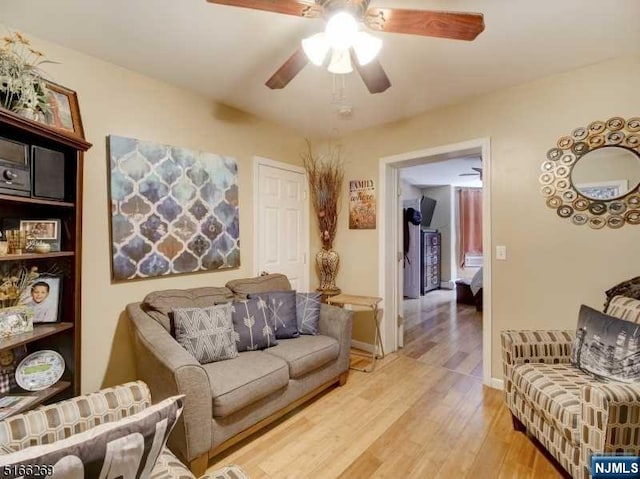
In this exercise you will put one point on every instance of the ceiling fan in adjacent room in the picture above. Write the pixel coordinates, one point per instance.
(477, 172)
(344, 45)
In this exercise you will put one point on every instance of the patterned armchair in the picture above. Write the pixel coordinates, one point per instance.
(571, 413)
(61, 420)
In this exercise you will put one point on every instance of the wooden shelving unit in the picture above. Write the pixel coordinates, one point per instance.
(29, 256)
(63, 336)
(43, 395)
(40, 331)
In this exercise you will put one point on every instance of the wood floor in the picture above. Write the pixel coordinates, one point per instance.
(423, 413)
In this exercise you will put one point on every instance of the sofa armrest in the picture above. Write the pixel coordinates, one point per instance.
(169, 369)
(610, 423)
(337, 323)
(78, 414)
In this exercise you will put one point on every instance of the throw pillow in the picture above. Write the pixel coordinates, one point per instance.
(253, 325)
(126, 448)
(282, 305)
(629, 288)
(308, 312)
(206, 333)
(607, 347)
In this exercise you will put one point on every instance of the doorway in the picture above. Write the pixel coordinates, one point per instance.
(390, 250)
(442, 243)
(281, 221)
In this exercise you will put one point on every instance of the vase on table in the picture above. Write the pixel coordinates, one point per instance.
(328, 261)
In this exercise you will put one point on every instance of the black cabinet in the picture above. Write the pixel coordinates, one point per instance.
(430, 260)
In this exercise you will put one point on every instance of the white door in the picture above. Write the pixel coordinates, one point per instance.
(281, 236)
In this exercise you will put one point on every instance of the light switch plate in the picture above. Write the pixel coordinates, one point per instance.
(501, 252)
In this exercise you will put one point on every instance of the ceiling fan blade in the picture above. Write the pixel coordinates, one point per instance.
(288, 70)
(372, 74)
(299, 8)
(479, 170)
(458, 26)
(469, 174)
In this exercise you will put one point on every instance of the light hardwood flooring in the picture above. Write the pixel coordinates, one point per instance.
(423, 413)
(439, 332)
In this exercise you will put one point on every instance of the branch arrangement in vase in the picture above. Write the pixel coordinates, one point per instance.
(326, 177)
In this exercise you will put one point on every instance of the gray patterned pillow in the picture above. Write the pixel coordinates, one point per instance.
(206, 333)
(282, 305)
(607, 347)
(130, 446)
(253, 325)
(308, 312)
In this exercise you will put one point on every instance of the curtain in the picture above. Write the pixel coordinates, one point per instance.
(469, 222)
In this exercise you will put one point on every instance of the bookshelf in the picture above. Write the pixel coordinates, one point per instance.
(63, 336)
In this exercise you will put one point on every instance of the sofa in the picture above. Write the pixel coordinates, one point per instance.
(227, 401)
(570, 412)
(62, 420)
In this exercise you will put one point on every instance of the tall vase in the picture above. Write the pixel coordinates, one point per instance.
(328, 261)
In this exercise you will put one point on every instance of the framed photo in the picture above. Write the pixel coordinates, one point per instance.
(43, 295)
(42, 231)
(64, 110)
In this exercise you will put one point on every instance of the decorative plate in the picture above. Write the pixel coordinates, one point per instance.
(40, 370)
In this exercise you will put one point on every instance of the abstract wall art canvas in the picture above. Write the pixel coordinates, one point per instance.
(173, 210)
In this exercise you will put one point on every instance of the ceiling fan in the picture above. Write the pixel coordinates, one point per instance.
(477, 172)
(348, 45)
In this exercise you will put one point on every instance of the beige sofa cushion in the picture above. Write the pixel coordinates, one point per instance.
(160, 303)
(238, 382)
(261, 284)
(553, 390)
(306, 353)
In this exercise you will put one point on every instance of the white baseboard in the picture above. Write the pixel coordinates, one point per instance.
(368, 347)
(496, 383)
(448, 285)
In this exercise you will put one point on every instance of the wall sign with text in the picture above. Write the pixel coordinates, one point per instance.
(362, 205)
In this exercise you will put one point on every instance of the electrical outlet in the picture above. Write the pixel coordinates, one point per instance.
(501, 252)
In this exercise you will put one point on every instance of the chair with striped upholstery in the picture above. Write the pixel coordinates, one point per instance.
(572, 414)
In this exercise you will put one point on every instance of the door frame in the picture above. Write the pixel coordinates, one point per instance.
(389, 244)
(261, 161)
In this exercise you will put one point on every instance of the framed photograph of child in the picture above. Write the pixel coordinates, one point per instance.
(42, 231)
(43, 295)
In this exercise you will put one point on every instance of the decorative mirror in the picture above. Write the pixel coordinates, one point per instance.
(593, 175)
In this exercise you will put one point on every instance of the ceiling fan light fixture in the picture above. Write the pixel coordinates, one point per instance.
(340, 62)
(341, 30)
(316, 48)
(366, 47)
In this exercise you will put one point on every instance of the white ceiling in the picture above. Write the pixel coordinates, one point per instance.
(445, 172)
(227, 53)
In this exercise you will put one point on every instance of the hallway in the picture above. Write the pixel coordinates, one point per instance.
(440, 332)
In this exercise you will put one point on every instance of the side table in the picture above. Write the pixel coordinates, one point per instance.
(366, 302)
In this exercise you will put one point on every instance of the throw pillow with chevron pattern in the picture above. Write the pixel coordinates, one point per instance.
(206, 333)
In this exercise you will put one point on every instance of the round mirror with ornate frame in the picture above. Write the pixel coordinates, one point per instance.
(593, 175)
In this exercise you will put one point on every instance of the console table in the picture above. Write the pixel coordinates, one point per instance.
(366, 302)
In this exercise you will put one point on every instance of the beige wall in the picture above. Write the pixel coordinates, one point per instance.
(553, 266)
(117, 101)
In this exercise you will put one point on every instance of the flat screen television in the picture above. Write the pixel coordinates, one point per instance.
(427, 207)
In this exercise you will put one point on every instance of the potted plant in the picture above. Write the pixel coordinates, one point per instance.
(22, 86)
